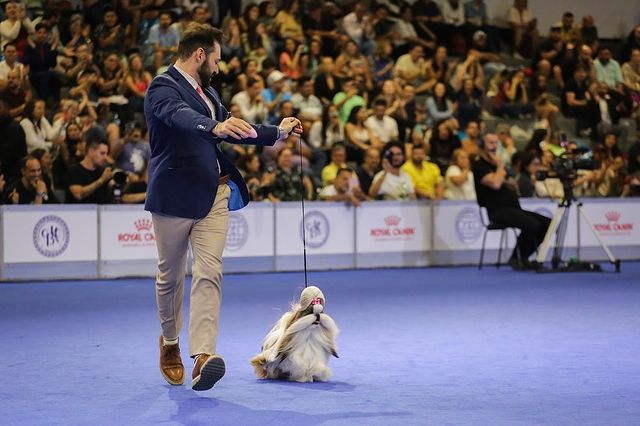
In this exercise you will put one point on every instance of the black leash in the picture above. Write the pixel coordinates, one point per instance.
(302, 194)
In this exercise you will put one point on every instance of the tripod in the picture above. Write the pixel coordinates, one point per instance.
(558, 226)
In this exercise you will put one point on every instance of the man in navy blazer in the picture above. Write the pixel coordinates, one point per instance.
(192, 186)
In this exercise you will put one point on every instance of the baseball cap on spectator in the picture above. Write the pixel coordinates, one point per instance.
(274, 77)
(478, 35)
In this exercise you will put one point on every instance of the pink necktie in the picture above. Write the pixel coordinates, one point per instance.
(204, 97)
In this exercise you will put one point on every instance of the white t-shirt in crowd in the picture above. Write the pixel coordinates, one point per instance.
(386, 129)
(466, 191)
(394, 187)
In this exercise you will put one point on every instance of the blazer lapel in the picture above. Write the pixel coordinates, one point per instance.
(216, 103)
(188, 88)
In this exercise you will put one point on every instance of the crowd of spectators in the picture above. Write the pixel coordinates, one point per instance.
(395, 97)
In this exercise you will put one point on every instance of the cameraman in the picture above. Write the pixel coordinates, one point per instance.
(503, 207)
(89, 181)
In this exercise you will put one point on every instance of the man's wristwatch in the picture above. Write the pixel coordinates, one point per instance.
(282, 135)
(44, 195)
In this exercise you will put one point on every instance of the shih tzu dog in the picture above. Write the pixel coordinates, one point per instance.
(299, 345)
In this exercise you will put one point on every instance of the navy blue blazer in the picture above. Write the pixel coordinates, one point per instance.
(183, 173)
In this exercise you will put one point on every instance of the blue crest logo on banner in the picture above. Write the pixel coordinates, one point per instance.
(51, 236)
(316, 229)
(468, 225)
(237, 232)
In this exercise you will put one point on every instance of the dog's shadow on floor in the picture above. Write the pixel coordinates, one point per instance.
(196, 410)
(319, 386)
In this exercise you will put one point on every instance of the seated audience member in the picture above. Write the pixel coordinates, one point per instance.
(608, 70)
(471, 143)
(633, 42)
(162, 42)
(469, 103)
(13, 147)
(338, 161)
(405, 34)
(38, 132)
(275, 95)
(31, 187)
(135, 192)
(381, 125)
(46, 165)
(326, 85)
(17, 93)
(439, 106)
(631, 76)
(458, 180)
(470, 69)
(512, 100)
(503, 207)
(16, 27)
(392, 183)
(425, 175)
(358, 136)
(411, 68)
(134, 153)
(551, 54)
(358, 26)
(258, 181)
(442, 143)
(9, 63)
(305, 101)
(89, 181)
(42, 59)
(340, 189)
(348, 99)
(578, 103)
(367, 170)
(525, 30)
(286, 185)
(252, 105)
(327, 131)
(529, 165)
(137, 82)
(507, 147)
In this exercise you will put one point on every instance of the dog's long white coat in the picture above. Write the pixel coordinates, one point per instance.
(300, 352)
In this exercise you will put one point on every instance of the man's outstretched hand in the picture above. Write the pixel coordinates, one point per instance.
(235, 128)
(292, 127)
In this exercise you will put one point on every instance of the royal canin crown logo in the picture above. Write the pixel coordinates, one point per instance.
(392, 229)
(143, 224)
(392, 220)
(615, 224)
(612, 216)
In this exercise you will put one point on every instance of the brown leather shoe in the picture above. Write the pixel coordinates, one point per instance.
(208, 369)
(171, 364)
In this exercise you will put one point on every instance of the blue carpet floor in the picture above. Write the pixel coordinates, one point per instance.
(418, 347)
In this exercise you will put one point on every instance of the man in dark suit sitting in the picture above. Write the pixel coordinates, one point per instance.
(192, 187)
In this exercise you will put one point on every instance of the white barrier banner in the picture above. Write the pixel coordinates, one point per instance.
(126, 233)
(385, 227)
(50, 234)
(328, 228)
(459, 227)
(617, 223)
(250, 232)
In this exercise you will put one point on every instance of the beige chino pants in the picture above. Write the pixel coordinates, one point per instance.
(207, 237)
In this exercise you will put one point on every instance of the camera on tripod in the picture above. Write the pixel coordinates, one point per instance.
(119, 178)
(565, 167)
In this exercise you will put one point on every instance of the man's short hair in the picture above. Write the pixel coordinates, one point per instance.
(95, 137)
(9, 44)
(337, 147)
(380, 102)
(26, 159)
(197, 36)
(344, 169)
(302, 80)
(40, 25)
